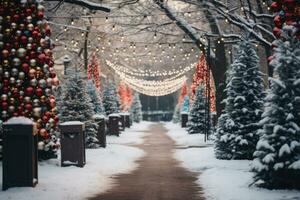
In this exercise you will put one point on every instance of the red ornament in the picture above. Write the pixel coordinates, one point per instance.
(4, 105)
(25, 67)
(39, 92)
(28, 107)
(29, 91)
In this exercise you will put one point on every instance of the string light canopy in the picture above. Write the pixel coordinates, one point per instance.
(152, 87)
(150, 73)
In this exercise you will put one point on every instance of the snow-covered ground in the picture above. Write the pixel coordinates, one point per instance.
(64, 183)
(220, 179)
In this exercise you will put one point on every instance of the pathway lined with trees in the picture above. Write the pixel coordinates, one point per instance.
(159, 175)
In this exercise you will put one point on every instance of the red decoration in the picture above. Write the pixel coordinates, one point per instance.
(183, 93)
(287, 12)
(201, 77)
(93, 71)
(125, 94)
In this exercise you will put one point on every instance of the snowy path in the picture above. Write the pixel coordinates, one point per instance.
(158, 177)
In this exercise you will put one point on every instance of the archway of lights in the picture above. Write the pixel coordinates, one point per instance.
(169, 81)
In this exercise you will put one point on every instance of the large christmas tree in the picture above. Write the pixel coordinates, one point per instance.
(245, 93)
(111, 100)
(277, 157)
(26, 69)
(136, 108)
(196, 122)
(76, 105)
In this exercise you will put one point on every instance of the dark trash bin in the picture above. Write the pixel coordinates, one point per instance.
(113, 124)
(101, 133)
(20, 154)
(184, 119)
(72, 143)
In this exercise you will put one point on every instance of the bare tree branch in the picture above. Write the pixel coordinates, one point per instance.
(87, 4)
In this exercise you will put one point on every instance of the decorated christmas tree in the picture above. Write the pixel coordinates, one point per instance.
(196, 122)
(125, 95)
(277, 155)
(76, 105)
(111, 101)
(185, 107)
(93, 71)
(136, 108)
(26, 72)
(95, 97)
(245, 93)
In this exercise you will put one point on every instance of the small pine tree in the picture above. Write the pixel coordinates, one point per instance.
(223, 136)
(111, 101)
(185, 107)
(197, 115)
(136, 108)
(277, 155)
(244, 103)
(95, 97)
(176, 114)
(76, 105)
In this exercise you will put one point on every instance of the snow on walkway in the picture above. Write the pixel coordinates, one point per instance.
(72, 183)
(220, 179)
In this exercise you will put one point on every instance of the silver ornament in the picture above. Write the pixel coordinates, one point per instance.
(21, 53)
(16, 62)
(12, 80)
(6, 74)
(27, 99)
(32, 62)
(14, 72)
(4, 114)
(21, 75)
(11, 109)
(4, 97)
(33, 82)
(42, 83)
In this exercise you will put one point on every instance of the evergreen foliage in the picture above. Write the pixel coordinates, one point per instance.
(185, 107)
(176, 114)
(277, 155)
(136, 108)
(197, 114)
(111, 100)
(223, 137)
(95, 97)
(244, 104)
(76, 105)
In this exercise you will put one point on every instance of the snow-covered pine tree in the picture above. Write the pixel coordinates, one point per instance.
(111, 100)
(76, 105)
(176, 114)
(196, 122)
(136, 108)
(94, 94)
(223, 136)
(244, 103)
(277, 156)
(185, 107)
